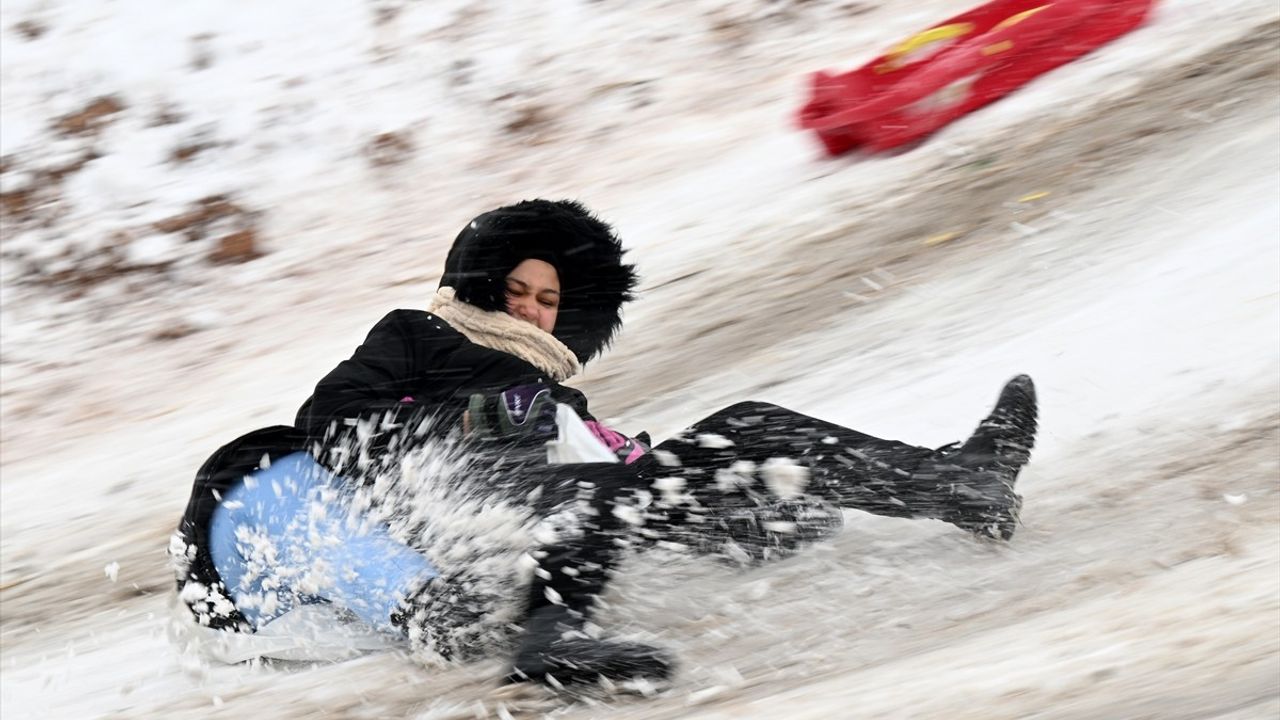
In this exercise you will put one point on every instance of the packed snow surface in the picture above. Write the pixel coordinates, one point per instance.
(205, 207)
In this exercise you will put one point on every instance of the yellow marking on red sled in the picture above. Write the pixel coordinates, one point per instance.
(998, 47)
(896, 57)
(1015, 19)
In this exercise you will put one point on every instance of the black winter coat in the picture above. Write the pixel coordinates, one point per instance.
(411, 366)
(414, 363)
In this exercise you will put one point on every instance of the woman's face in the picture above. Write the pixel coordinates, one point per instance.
(533, 293)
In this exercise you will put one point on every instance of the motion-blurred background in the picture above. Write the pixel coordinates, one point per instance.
(206, 205)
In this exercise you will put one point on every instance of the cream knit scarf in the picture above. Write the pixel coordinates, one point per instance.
(499, 331)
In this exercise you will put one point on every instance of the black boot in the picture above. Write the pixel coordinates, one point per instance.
(555, 650)
(976, 480)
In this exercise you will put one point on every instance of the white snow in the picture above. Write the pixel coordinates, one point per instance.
(784, 477)
(1145, 301)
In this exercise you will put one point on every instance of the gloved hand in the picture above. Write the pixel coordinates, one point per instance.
(523, 411)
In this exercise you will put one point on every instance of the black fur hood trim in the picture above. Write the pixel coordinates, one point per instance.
(594, 281)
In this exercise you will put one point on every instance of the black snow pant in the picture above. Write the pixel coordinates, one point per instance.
(717, 469)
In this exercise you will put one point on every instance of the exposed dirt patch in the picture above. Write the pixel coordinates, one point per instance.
(37, 201)
(390, 148)
(91, 119)
(30, 29)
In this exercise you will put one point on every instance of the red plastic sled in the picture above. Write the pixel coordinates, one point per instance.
(958, 66)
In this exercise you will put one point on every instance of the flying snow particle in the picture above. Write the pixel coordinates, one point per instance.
(112, 570)
(641, 685)
(193, 592)
(628, 514)
(1235, 499)
(732, 478)
(714, 441)
(784, 477)
(643, 499)
(666, 458)
(672, 489)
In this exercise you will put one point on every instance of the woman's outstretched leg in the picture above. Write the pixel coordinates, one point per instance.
(754, 454)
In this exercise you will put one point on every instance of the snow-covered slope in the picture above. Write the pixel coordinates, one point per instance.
(1116, 233)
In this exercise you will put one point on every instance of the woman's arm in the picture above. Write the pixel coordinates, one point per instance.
(382, 375)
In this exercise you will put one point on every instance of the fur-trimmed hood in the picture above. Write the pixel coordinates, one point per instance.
(587, 255)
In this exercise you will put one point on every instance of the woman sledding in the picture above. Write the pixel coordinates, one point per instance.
(531, 292)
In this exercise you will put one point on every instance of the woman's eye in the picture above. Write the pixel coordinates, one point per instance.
(547, 303)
